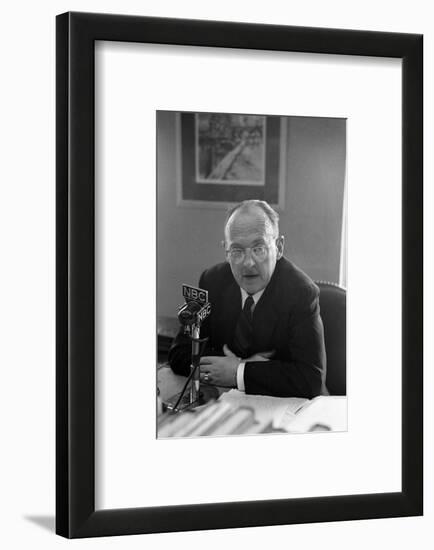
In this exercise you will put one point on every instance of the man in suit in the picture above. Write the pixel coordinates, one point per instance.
(265, 334)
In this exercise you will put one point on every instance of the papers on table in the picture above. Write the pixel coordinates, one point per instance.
(267, 408)
(321, 414)
(295, 414)
(216, 418)
(237, 413)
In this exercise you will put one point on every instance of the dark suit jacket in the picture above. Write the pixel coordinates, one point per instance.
(285, 319)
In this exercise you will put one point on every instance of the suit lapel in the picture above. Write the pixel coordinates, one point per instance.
(227, 313)
(266, 315)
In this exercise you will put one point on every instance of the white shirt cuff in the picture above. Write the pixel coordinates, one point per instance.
(240, 376)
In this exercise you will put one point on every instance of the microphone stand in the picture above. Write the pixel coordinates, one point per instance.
(195, 360)
(194, 395)
(200, 311)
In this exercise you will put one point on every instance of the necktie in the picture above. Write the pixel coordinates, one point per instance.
(243, 331)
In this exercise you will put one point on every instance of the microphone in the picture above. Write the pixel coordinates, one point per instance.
(196, 308)
(191, 315)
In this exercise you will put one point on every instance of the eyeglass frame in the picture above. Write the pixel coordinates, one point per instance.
(244, 250)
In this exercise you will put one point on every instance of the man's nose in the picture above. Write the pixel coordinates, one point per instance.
(248, 258)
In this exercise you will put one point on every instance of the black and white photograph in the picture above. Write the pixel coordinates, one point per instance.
(252, 282)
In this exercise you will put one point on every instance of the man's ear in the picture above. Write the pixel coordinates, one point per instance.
(280, 243)
(223, 245)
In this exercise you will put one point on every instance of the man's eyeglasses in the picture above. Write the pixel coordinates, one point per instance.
(237, 255)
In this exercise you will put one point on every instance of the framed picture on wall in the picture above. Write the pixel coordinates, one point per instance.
(114, 75)
(226, 158)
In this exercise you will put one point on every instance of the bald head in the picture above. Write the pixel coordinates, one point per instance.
(260, 209)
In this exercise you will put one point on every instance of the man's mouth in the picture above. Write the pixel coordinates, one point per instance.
(250, 275)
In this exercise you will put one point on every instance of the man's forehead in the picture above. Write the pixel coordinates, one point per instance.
(249, 224)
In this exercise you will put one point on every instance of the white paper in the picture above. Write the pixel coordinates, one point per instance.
(324, 413)
(267, 408)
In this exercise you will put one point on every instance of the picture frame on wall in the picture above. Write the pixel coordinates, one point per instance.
(113, 476)
(235, 156)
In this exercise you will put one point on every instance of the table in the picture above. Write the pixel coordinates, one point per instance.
(272, 414)
(170, 383)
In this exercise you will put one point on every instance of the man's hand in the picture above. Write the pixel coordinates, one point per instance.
(220, 371)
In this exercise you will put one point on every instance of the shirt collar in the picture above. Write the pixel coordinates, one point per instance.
(254, 296)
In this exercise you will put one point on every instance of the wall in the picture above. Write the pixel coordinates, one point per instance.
(27, 243)
(189, 238)
(312, 221)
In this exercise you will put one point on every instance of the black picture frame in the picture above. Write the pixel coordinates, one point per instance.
(192, 191)
(76, 515)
